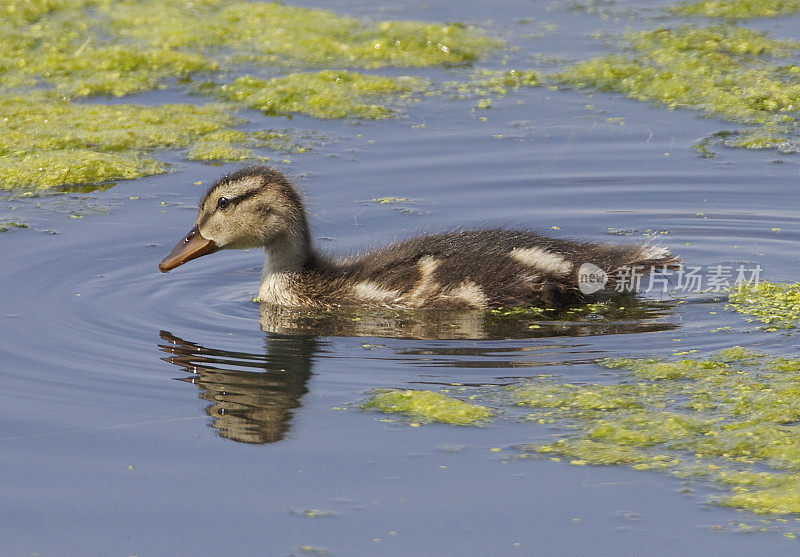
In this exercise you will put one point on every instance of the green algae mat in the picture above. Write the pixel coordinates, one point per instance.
(774, 305)
(738, 9)
(55, 53)
(228, 55)
(428, 406)
(737, 74)
(729, 419)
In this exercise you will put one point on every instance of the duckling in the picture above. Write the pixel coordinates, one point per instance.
(259, 207)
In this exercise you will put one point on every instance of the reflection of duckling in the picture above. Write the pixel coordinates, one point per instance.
(634, 317)
(259, 207)
(252, 396)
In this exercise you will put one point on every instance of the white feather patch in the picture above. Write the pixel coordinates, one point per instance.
(372, 292)
(470, 293)
(653, 252)
(426, 288)
(542, 260)
(277, 288)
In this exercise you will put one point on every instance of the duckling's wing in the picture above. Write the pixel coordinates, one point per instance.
(487, 268)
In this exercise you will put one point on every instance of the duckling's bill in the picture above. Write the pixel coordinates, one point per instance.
(192, 246)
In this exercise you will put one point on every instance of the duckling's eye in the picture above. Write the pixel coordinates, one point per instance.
(223, 202)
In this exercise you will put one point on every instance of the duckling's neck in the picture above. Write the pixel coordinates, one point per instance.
(286, 259)
(289, 255)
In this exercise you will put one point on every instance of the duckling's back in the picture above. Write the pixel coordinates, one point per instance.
(480, 269)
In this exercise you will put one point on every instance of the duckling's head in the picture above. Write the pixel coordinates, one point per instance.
(255, 207)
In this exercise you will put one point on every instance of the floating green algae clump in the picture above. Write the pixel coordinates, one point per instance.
(8, 225)
(232, 145)
(428, 406)
(724, 70)
(73, 143)
(86, 47)
(274, 33)
(497, 82)
(731, 418)
(326, 94)
(739, 9)
(716, 69)
(67, 45)
(79, 48)
(774, 304)
(486, 83)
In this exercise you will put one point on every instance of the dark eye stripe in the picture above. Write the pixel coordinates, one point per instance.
(231, 201)
(242, 197)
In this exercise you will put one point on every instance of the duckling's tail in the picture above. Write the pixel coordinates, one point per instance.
(655, 256)
(625, 268)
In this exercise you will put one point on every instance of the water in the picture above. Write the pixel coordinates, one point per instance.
(150, 414)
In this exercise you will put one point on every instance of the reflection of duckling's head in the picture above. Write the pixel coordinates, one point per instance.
(254, 207)
(252, 396)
